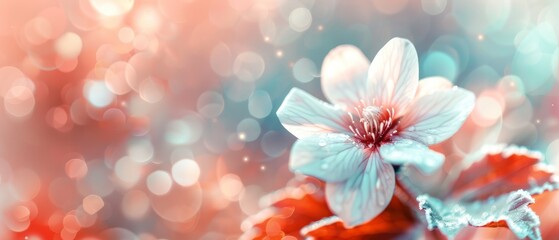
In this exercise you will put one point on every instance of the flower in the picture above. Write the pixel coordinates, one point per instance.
(381, 115)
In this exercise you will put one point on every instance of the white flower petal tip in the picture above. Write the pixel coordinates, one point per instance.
(405, 151)
(394, 74)
(329, 157)
(304, 115)
(363, 196)
(344, 75)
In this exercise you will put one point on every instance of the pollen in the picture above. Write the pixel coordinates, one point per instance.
(373, 125)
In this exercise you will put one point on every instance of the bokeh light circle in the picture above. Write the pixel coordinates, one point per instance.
(274, 144)
(159, 182)
(185, 172)
(92, 204)
(97, 181)
(231, 186)
(260, 104)
(140, 150)
(440, 64)
(552, 153)
(488, 110)
(135, 204)
(69, 45)
(248, 66)
(433, 7)
(249, 129)
(304, 70)
(210, 104)
(26, 184)
(112, 7)
(19, 101)
(97, 94)
(221, 60)
(128, 170)
(186, 130)
(300, 19)
(117, 77)
(76, 168)
(179, 205)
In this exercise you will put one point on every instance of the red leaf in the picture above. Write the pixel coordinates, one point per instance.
(289, 210)
(502, 170)
(394, 221)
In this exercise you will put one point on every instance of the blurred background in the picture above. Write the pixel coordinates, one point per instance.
(155, 119)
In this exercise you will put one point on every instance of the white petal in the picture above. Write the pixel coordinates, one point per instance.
(405, 151)
(363, 196)
(394, 74)
(432, 84)
(435, 117)
(344, 75)
(330, 157)
(304, 115)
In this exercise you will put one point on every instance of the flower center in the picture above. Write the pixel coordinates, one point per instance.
(373, 125)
